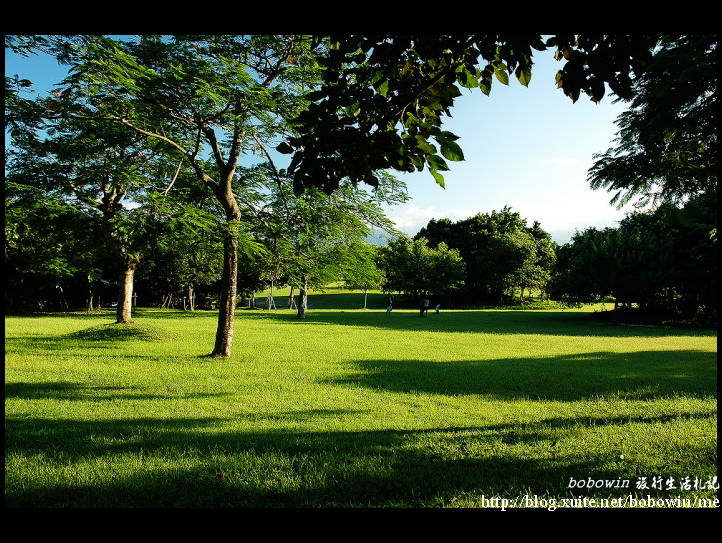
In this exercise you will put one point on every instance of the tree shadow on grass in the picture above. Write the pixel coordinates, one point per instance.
(637, 375)
(552, 323)
(191, 465)
(64, 390)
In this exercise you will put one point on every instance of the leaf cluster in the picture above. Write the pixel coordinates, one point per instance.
(500, 252)
(383, 98)
(666, 148)
(664, 260)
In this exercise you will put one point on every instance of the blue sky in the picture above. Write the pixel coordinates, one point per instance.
(528, 148)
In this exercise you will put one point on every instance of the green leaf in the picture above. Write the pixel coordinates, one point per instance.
(424, 145)
(437, 163)
(383, 89)
(468, 79)
(501, 75)
(438, 178)
(452, 92)
(353, 110)
(485, 87)
(417, 162)
(451, 150)
(523, 75)
(446, 136)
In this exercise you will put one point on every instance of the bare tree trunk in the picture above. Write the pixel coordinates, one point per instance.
(123, 313)
(290, 298)
(302, 299)
(226, 313)
(62, 302)
(89, 299)
(191, 297)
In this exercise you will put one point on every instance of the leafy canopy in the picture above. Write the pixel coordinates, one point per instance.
(383, 97)
(666, 148)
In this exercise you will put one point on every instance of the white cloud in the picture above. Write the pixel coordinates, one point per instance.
(412, 218)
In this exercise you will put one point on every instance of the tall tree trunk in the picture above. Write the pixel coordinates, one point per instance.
(227, 304)
(62, 302)
(191, 297)
(223, 189)
(123, 313)
(290, 298)
(302, 299)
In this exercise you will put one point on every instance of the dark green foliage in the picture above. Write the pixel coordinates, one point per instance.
(666, 148)
(414, 268)
(666, 155)
(660, 261)
(500, 252)
(52, 250)
(383, 97)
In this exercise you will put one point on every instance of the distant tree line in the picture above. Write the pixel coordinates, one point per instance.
(655, 266)
(130, 174)
(487, 259)
(662, 264)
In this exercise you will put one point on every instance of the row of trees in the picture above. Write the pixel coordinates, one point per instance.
(664, 157)
(663, 262)
(162, 148)
(61, 254)
(484, 259)
(145, 139)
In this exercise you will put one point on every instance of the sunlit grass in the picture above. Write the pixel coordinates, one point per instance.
(352, 408)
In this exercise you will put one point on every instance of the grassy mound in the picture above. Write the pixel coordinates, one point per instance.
(120, 331)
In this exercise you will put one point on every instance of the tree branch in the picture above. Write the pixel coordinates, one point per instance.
(276, 175)
(180, 163)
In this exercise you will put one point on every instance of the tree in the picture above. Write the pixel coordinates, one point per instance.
(585, 267)
(667, 141)
(94, 163)
(537, 269)
(500, 252)
(313, 237)
(414, 268)
(383, 97)
(511, 257)
(49, 246)
(659, 260)
(362, 273)
(210, 99)
(184, 250)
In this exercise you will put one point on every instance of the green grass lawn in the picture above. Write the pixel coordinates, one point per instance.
(357, 408)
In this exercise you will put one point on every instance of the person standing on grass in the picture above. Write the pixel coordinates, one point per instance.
(424, 308)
